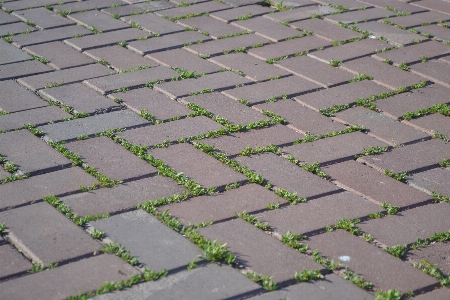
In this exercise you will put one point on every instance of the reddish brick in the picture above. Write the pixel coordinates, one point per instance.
(431, 17)
(123, 197)
(440, 6)
(205, 7)
(35, 116)
(167, 42)
(286, 175)
(334, 149)
(11, 54)
(437, 31)
(326, 30)
(410, 158)
(233, 143)
(142, 7)
(67, 76)
(398, 6)
(216, 207)
(12, 262)
(60, 55)
(436, 253)
(18, 98)
(43, 18)
(302, 13)
(50, 35)
(230, 15)
(375, 265)
(247, 246)
(62, 282)
(357, 16)
(171, 131)
(85, 5)
(256, 93)
(432, 124)
(98, 20)
(160, 106)
(6, 18)
(180, 58)
(432, 180)
(434, 70)
(22, 69)
(267, 29)
(393, 34)
(131, 80)
(155, 24)
(437, 294)
(373, 185)
(215, 28)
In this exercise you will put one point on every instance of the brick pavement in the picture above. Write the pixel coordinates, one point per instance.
(237, 149)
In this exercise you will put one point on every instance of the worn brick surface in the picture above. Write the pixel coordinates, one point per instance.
(217, 81)
(167, 42)
(302, 13)
(434, 70)
(155, 24)
(267, 29)
(436, 253)
(434, 5)
(180, 58)
(46, 235)
(326, 30)
(12, 262)
(122, 197)
(60, 55)
(98, 20)
(375, 265)
(281, 267)
(210, 173)
(171, 131)
(399, 6)
(15, 28)
(22, 69)
(334, 149)
(250, 197)
(36, 116)
(85, 5)
(43, 18)
(435, 31)
(432, 180)
(410, 158)
(18, 98)
(215, 28)
(6, 18)
(230, 15)
(433, 123)
(370, 14)
(349, 4)
(11, 54)
(35, 188)
(286, 175)
(431, 17)
(4, 174)
(86, 275)
(374, 185)
(142, 7)
(139, 231)
(393, 34)
(256, 93)
(25, 4)
(108, 84)
(238, 3)
(437, 294)
(50, 35)
(205, 7)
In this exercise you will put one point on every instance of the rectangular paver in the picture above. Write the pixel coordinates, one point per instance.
(50, 35)
(371, 14)
(326, 30)
(432, 180)
(43, 18)
(11, 54)
(267, 29)
(98, 20)
(393, 34)
(12, 262)
(22, 69)
(230, 15)
(433, 124)
(215, 28)
(154, 24)
(434, 70)
(200, 8)
(19, 98)
(19, 29)
(431, 17)
(140, 7)
(302, 13)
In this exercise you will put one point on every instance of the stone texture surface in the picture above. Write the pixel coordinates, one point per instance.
(302, 13)
(49, 35)
(43, 18)
(432, 124)
(230, 15)
(18, 98)
(205, 7)
(215, 28)
(325, 30)
(437, 294)
(22, 69)
(267, 29)
(420, 18)
(154, 24)
(36, 116)
(371, 14)
(12, 262)
(98, 20)
(434, 254)
(140, 7)
(434, 70)
(432, 180)
(11, 54)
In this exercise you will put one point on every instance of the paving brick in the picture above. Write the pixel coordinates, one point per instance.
(188, 2)
(218, 47)
(250, 197)
(35, 156)
(437, 294)
(35, 188)
(435, 31)
(344, 94)
(325, 30)
(433, 5)
(350, 51)
(373, 185)
(288, 48)
(70, 130)
(111, 159)
(248, 243)
(238, 3)
(332, 287)
(86, 5)
(434, 70)
(12, 262)
(3, 175)
(284, 174)
(302, 13)
(80, 98)
(51, 35)
(46, 235)
(436, 253)
(221, 105)
(43, 18)
(143, 7)
(18, 98)
(398, 6)
(210, 282)
(60, 55)
(11, 54)
(98, 20)
(160, 106)
(217, 81)
(205, 7)
(357, 16)
(167, 42)
(67, 76)
(393, 34)
(433, 123)
(22, 69)
(139, 231)
(349, 4)
(104, 39)
(334, 149)
(382, 73)
(410, 158)
(215, 28)
(6, 18)
(108, 84)
(296, 3)
(155, 24)
(431, 17)
(257, 93)
(122, 197)
(375, 265)
(25, 4)
(209, 173)
(230, 15)
(35, 116)
(86, 275)
(267, 29)
(432, 180)
(180, 58)
(15, 28)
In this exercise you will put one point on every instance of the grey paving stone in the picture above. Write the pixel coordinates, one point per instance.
(6, 18)
(434, 70)
(238, 3)
(139, 231)
(51, 35)
(215, 28)
(197, 165)
(437, 294)
(302, 13)
(11, 54)
(230, 15)
(142, 7)
(18, 98)
(35, 116)
(98, 20)
(43, 18)
(437, 31)
(136, 79)
(12, 262)
(66, 76)
(22, 69)
(325, 30)
(205, 7)
(122, 197)
(155, 24)
(267, 29)
(431, 17)
(86, 5)
(25, 4)
(297, 3)
(284, 174)
(209, 283)
(400, 7)
(66, 131)
(217, 81)
(371, 14)
(3, 175)
(436, 253)
(15, 28)
(46, 235)
(85, 275)
(432, 124)
(80, 98)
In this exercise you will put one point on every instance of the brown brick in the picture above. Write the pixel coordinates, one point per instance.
(434, 70)
(215, 28)
(436, 253)
(431, 17)
(371, 14)
(12, 262)
(326, 30)
(36, 116)
(432, 124)
(43, 18)
(50, 35)
(267, 29)
(432, 180)
(435, 31)
(18, 98)
(433, 5)
(302, 13)
(141, 7)
(373, 185)
(98, 20)
(205, 7)
(22, 69)
(230, 15)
